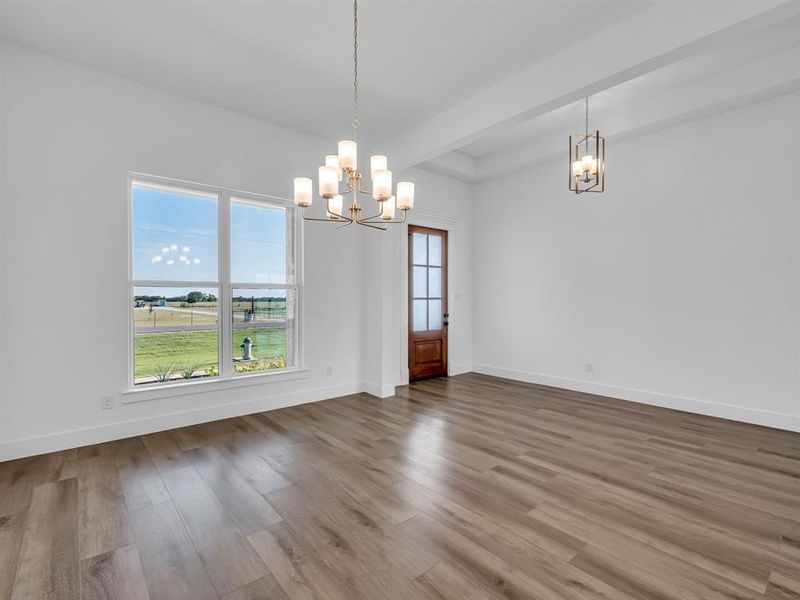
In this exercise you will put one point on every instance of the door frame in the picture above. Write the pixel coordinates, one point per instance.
(434, 220)
(445, 296)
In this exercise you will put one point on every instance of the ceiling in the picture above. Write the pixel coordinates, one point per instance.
(290, 62)
(722, 57)
(467, 88)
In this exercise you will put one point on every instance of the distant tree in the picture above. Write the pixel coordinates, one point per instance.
(193, 297)
(210, 298)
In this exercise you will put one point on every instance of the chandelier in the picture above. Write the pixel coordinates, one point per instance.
(587, 157)
(344, 165)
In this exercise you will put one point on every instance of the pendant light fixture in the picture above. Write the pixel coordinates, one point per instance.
(587, 157)
(344, 165)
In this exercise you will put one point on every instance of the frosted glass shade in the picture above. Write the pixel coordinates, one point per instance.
(589, 164)
(405, 195)
(387, 209)
(332, 160)
(335, 207)
(302, 191)
(328, 182)
(382, 185)
(377, 163)
(348, 155)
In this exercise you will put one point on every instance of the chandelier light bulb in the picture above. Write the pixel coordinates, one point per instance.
(378, 162)
(302, 191)
(332, 160)
(328, 182)
(382, 185)
(348, 155)
(405, 195)
(387, 209)
(335, 206)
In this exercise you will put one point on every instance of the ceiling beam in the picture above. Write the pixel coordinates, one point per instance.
(453, 164)
(650, 39)
(774, 75)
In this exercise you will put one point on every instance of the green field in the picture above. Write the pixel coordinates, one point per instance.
(191, 347)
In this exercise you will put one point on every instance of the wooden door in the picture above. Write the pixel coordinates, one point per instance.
(427, 302)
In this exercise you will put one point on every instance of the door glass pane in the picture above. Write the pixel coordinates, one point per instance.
(175, 333)
(420, 315)
(258, 242)
(173, 234)
(420, 283)
(263, 322)
(434, 314)
(435, 250)
(434, 283)
(420, 249)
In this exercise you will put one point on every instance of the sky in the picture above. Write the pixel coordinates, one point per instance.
(175, 238)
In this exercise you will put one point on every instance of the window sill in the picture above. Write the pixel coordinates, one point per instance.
(200, 387)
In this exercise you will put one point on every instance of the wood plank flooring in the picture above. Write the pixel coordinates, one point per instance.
(467, 488)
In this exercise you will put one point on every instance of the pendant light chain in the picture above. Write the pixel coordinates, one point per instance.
(587, 116)
(355, 69)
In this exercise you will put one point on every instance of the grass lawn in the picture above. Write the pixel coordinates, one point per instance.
(190, 347)
(164, 316)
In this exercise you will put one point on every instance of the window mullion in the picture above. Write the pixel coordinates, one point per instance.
(226, 315)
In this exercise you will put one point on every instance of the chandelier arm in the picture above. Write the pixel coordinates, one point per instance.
(338, 218)
(369, 220)
(374, 226)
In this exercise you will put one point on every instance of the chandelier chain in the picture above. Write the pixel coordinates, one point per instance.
(587, 116)
(355, 68)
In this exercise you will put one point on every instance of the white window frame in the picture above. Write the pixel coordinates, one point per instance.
(226, 377)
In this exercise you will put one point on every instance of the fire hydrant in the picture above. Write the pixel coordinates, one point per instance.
(247, 343)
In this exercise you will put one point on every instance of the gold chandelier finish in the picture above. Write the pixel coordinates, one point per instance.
(345, 166)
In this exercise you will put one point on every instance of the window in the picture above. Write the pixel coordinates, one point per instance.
(427, 278)
(213, 285)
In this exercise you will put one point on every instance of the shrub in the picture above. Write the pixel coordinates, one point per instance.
(163, 373)
(188, 371)
(254, 366)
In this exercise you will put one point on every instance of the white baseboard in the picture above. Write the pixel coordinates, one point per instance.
(116, 431)
(693, 405)
(376, 389)
(459, 368)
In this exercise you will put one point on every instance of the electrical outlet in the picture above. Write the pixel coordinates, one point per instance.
(328, 371)
(107, 403)
(590, 367)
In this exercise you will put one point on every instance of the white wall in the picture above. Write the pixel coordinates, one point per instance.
(442, 203)
(70, 136)
(680, 283)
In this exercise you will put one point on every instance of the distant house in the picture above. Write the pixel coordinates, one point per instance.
(161, 302)
(139, 304)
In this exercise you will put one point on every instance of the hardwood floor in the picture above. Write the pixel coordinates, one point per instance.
(468, 488)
